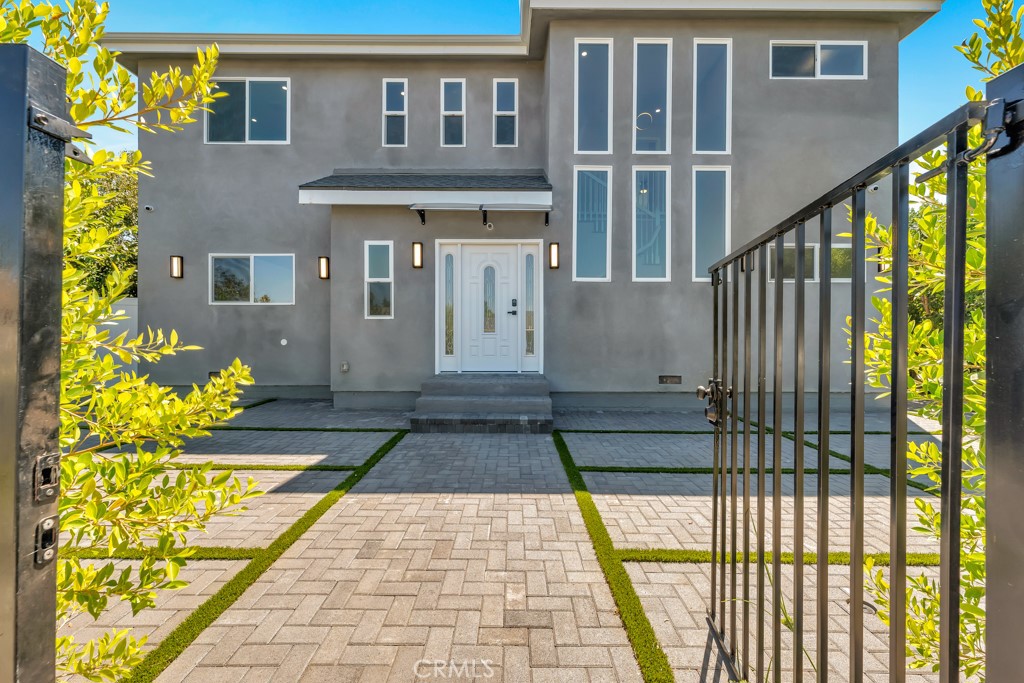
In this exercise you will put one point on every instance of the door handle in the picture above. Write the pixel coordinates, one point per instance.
(513, 313)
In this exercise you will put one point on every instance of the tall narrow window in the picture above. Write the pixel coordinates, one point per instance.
(449, 305)
(652, 238)
(255, 111)
(395, 125)
(489, 300)
(711, 218)
(506, 112)
(591, 254)
(593, 96)
(380, 280)
(529, 308)
(652, 80)
(712, 96)
(453, 112)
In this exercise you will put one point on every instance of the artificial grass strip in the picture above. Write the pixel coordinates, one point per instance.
(201, 553)
(710, 432)
(838, 558)
(234, 428)
(218, 467)
(181, 637)
(868, 468)
(257, 404)
(651, 658)
(691, 470)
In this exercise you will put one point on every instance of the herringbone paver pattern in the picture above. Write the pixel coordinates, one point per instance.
(283, 448)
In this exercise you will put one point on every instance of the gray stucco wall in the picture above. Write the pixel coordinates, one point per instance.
(792, 140)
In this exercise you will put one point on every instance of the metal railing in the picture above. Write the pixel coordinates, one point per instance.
(743, 578)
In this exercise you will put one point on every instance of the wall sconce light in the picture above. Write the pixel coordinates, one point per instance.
(323, 268)
(417, 254)
(553, 258)
(177, 267)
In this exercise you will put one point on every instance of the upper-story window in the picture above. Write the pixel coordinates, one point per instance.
(819, 59)
(652, 99)
(506, 112)
(255, 111)
(395, 117)
(453, 112)
(712, 95)
(593, 95)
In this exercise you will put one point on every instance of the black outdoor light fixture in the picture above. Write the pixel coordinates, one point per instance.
(553, 258)
(417, 254)
(323, 268)
(177, 267)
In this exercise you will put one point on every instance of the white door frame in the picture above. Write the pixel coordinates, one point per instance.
(439, 300)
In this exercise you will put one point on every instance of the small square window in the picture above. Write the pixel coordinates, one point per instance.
(843, 60)
(793, 61)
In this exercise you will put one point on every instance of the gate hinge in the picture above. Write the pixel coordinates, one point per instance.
(57, 127)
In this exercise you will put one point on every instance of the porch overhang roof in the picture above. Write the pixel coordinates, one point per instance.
(508, 191)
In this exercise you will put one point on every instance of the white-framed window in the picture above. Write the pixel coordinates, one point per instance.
(395, 112)
(453, 112)
(593, 96)
(652, 224)
(652, 95)
(591, 226)
(255, 111)
(252, 279)
(712, 218)
(789, 262)
(842, 263)
(506, 112)
(712, 95)
(821, 59)
(379, 277)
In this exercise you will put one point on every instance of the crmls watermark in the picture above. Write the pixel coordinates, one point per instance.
(450, 669)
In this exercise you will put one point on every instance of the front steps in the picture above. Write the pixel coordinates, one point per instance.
(484, 403)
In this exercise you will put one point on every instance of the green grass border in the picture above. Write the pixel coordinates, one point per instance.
(201, 553)
(219, 467)
(709, 432)
(372, 430)
(257, 404)
(838, 558)
(203, 616)
(653, 662)
(868, 468)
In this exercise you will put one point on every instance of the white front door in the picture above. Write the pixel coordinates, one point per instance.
(490, 308)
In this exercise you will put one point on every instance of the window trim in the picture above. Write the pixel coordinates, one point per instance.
(815, 267)
(817, 60)
(252, 279)
(385, 112)
(668, 92)
(248, 119)
(608, 229)
(668, 223)
(514, 113)
(728, 95)
(461, 112)
(367, 280)
(576, 94)
(693, 217)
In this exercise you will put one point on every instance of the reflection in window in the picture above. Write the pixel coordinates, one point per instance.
(379, 280)
(591, 228)
(711, 98)
(842, 263)
(652, 97)
(710, 218)
(593, 97)
(529, 307)
(506, 112)
(252, 111)
(489, 299)
(449, 305)
(395, 112)
(789, 263)
(272, 279)
(650, 236)
(453, 113)
(231, 279)
(253, 279)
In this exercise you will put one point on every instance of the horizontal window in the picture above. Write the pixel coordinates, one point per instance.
(453, 112)
(252, 279)
(819, 59)
(395, 116)
(506, 112)
(379, 279)
(789, 263)
(253, 110)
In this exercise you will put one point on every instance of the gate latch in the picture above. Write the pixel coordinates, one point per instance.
(57, 127)
(46, 483)
(715, 396)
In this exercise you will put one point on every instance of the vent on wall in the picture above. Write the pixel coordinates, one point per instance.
(670, 379)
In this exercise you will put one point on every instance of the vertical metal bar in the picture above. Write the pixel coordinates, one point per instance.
(952, 408)
(898, 425)
(748, 259)
(1004, 534)
(798, 453)
(777, 428)
(824, 454)
(31, 223)
(724, 457)
(762, 381)
(713, 609)
(734, 464)
(857, 439)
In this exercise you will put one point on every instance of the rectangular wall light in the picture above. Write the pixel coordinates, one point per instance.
(323, 268)
(177, 267)
(553, 257)
(417, 254)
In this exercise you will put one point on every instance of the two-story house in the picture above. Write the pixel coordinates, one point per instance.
(364, 212)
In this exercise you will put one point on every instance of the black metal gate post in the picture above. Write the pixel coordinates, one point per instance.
(33, 136)
(1005, 389)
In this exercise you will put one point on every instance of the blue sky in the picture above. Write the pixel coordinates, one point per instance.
(932, 73)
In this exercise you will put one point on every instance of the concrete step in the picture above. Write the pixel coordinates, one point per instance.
(480, 403)
(486, 384)
(482, 423)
